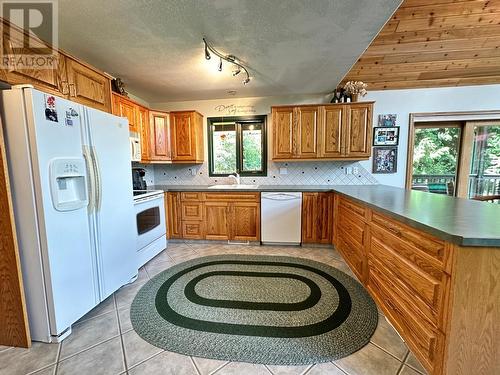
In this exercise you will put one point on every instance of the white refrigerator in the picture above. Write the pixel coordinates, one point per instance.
(71, 183)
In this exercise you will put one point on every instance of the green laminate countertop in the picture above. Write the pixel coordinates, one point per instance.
(457, 220)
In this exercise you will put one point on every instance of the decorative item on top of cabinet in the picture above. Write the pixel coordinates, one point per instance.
(322, 132)
(317, 217)
(186, 132)
(159, 137)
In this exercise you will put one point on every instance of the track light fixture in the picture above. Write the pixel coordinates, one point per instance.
(239, 67)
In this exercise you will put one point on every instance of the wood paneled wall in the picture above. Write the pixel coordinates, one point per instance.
(430, 43)
(14, 330)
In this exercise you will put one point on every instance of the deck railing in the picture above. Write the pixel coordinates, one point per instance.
(478, 184)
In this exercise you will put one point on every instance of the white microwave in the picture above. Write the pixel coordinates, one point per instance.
(135, 147)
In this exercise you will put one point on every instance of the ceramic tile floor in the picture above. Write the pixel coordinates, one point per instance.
(103, 341)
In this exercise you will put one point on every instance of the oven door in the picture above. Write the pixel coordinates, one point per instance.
(150, 218)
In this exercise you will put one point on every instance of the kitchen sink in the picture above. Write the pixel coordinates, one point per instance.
(235, 187)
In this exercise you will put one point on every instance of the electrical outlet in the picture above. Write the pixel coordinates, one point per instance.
(283, 170)
(348, 170)
(355, 170)
(193, 172)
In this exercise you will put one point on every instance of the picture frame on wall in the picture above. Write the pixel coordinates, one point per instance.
(385, 160)
(386, 136)
(387, 120)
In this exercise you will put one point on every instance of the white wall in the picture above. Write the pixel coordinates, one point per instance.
(404, 102)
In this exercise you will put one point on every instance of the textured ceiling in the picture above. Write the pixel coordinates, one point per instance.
(290, 46)
(434, 43)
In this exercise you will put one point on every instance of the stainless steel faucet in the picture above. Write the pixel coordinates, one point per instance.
(236, 176)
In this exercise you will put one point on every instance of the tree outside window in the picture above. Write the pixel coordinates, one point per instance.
(237, 145)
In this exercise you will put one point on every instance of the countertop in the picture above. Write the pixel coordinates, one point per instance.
(457, 220)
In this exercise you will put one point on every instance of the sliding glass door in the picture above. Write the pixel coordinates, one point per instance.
(455, 158)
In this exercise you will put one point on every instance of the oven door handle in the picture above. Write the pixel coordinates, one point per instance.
(147, 199)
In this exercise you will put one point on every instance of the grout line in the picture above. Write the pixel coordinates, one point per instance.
(403, 363)
(89, 347)
(268, 369)
(218, 368)
(58, 357)
(392, 355)
(341, 370)
(195, 367)
(124, 357)
(146, 359)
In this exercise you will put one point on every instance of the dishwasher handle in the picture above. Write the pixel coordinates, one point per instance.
(281, 197)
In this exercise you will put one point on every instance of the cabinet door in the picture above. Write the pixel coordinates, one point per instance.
(159, 145)
(283, 132)
(88, 87)
(245, 221)
(53, 80)
(142, 122)
(324, 205)
(217, 223)
(306, 135)
(128, 110)
(183, 140)
(309, 217)
(173, 204)
(359, 130)
(331, 132)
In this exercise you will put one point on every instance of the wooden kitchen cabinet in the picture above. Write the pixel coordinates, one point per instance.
(322, 132)
(69, 77)
(142, 121)
(173, 214)
(317, 217)
(358, 130)
(283, 132)
(124, 107)
(217, 220)
(306, 138)
(186, 137)
(159, 137)
(245, 221)
(214, 216)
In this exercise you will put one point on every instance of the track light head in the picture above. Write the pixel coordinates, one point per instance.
(220, 65)
(207, 53)
(236, 71)
(246, 80)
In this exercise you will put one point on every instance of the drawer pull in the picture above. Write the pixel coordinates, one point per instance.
(395, 231)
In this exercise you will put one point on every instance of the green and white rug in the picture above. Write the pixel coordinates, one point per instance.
(259, 309)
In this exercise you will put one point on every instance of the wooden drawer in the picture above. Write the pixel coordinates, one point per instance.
(191, 196)
(191, 210)
(354, 228)
(232, 197)
(417, 285)
(412, 241)
(425, 340)
(192, 230)
(353, 253)
(348, 207)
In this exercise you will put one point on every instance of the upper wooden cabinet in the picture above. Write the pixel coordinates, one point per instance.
(142, 124)
(186, 132)
(67, 77)
(124, 107)
(330, 131)
(159, 137)
(358, 130)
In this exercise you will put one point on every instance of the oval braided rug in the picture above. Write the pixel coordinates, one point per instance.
(260, 309)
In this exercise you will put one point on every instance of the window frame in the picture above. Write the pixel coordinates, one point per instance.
(238, 121)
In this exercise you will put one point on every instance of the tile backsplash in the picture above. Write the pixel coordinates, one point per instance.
(298, 173)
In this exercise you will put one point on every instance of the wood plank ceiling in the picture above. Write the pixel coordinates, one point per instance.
(430, 43)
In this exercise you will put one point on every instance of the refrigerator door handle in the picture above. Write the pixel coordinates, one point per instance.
(98, 183)
(87, 155)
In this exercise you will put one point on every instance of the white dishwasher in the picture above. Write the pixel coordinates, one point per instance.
(281, 216)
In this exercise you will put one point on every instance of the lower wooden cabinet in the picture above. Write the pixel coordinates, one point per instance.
(436, 294)
(317, 218)
(214, 216)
